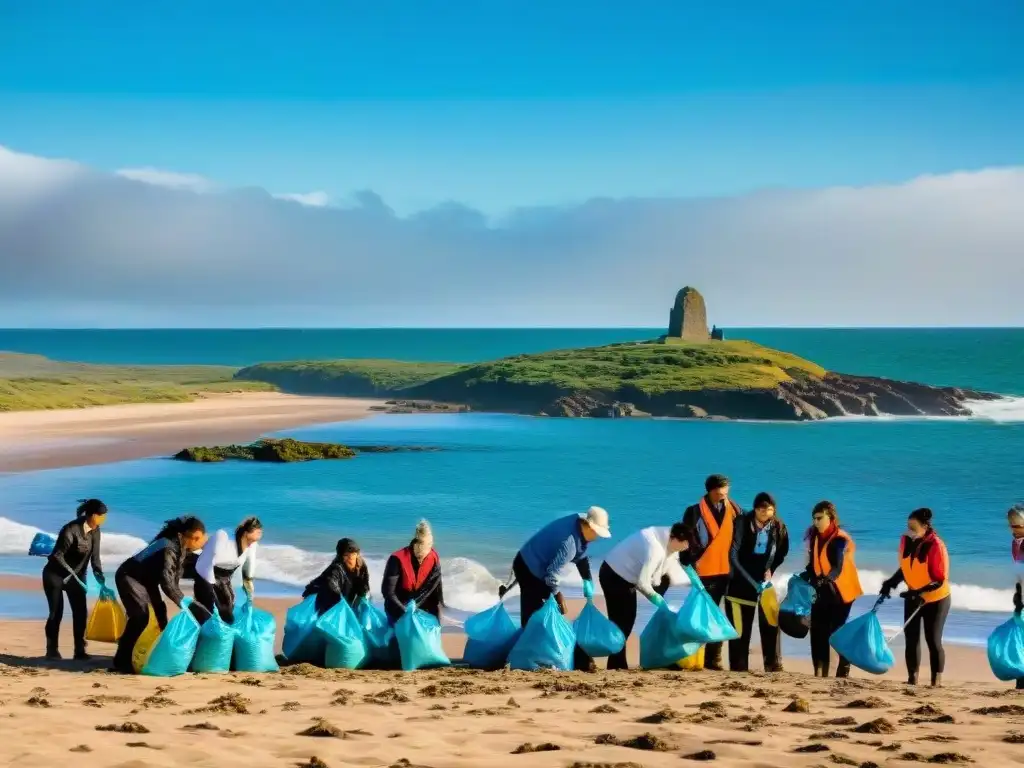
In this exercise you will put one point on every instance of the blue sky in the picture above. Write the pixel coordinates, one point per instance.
(501, 104)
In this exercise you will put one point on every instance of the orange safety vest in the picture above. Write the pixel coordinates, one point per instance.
(848, 584)
(413, 580)
(915, 572)
(715, 560)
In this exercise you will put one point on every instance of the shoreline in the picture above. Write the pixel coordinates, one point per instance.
(36, 440)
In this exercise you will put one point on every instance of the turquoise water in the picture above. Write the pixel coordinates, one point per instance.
(501, 477)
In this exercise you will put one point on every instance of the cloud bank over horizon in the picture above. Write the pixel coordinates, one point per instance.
(150, 247)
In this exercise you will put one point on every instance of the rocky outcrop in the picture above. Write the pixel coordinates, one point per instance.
(287, 450)
(582, 405)
(688, 319)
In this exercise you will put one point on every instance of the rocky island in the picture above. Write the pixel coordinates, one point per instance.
(286, 450)
(690, 372)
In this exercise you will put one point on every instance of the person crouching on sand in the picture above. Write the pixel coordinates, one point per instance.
(924, 566)
(218, 562)
(538, 564)
(832, 570)
(1015, 517)
(143, 576)
(414, 573)
(759, 547)
(638, 564)
(77, 547)
(347, 577)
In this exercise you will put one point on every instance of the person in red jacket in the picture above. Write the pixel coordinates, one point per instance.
(414, 573)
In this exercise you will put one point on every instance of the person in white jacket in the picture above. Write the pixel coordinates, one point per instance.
(218, 562)
(640, 563)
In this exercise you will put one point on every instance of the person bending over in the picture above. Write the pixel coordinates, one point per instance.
(218, 562)
(346, 577)
(414, 573)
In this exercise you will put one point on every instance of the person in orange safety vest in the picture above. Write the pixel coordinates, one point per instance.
(413, 573)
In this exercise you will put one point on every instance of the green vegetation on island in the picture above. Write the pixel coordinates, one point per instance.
(352, 378)
(286, 450)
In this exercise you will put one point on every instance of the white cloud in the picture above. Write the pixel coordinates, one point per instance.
(937, 250)
(312, 199)
(190, 182)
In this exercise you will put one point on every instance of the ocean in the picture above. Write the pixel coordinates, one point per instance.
(498, 478)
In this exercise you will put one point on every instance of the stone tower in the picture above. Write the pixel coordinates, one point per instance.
(689, 317)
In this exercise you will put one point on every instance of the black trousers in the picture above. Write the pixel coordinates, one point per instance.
(828, 614)
(533, 593)
(219, 596)
(932, 618)
(621, 600)
(739, 649)
(716, 587)
(54, 588)
(137, 598)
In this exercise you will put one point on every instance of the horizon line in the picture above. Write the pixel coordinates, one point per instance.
(637, 328)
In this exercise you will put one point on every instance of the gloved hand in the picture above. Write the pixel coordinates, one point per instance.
(887, 587)
(762, 587)
(100, 579)
(502, 591)
(588, 589)
(1018, 601)
(656, 600)
(560, 599)
(199, 611)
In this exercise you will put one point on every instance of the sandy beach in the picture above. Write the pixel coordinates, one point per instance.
(456, 718)
(32, 440)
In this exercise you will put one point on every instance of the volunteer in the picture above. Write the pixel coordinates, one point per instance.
(142, 577)
(709, 526)
(1015, 517)
(217, 565)
(414, 573)
(345, 577)
(77, 547)
(832, 570)
(538, 565)
(760, 545)
(639, 563)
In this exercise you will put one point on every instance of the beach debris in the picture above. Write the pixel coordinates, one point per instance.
(877, 726)
(799, 706)
(1015, 710)
(323, 729)
(81, 748)
(601, 765)
(255, 682)
(738, 742)
(661, 716)
(142, 745)
(228, 704)
(157, 701)
(939, 738)
(645, 741)
(527, 748)
(313, 762)
(871, 702)
(387, 697)
(942, 758)
(704, 755)
(572, 689)
(1014, 737)
(512, 703)
(829, 736)
(842, 760)
(809, 748)
(125, 727)
(714, 708)
(200, 727)
(404, 762)
(38, 700)
(291, 706)
(98, 702)
(840, 721)
(604, 709)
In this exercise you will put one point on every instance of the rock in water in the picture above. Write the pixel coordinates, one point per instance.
(689, 317)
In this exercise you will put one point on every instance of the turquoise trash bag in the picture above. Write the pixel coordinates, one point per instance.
(215, 646)
(42, 545)
(419, 640)
(377, 630)
(255, 632)
(661, 643)
(301, 640)
(700, 620)
(346, 644)
(547, 641)
(1006, 649)
(174, 649)
(596, 634)
(490, 636)
(795, 610)
(862, 642)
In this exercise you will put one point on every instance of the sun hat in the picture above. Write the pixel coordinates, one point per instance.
(597, 519)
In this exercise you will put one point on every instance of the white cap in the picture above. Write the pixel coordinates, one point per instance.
(597, 519)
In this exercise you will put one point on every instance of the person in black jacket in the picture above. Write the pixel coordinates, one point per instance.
(413, 573)
(760, 545)
(142, 577)
(77, 547)
(346, 577)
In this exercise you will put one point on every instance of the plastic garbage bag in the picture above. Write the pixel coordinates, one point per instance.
(770, 605)
(377, 630)
(694, 662)
(862, 642)
(255, 630)
(172, 654)
(419, 639)
(699, 619)
(490, 636)
(144, 645)
(215, 646)
(42, 545)
(346, 644)
(547, 641)
(1006, 649)
(301, 641)
(795, 610)
(595, 632)
(661, 644)
(107, 618)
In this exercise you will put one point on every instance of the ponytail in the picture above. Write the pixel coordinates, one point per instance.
(90, 507)
(248, 525)
(180, 526)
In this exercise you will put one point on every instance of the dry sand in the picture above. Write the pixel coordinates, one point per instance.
(47, 439)
(449, 718)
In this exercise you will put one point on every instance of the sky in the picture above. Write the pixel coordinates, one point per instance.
(510, 163)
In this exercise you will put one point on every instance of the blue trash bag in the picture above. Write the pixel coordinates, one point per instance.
(174, 649)
(377, 630)
(419, 639)
(255, 630)
(795, 610)
(1006, 649)
(661, 643)
(346, 645)
(215, 646)
(596, 634)
(700, 620)
(862, 642)
(490, 636)
(301, 640)
(547, 641)
(42, 545)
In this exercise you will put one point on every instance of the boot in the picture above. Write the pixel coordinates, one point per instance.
(843, 670)
(912, 678)
(713, 661)
(51, 651)
(773, 666)
(80, 654)
(820, 670)
(936, 679)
